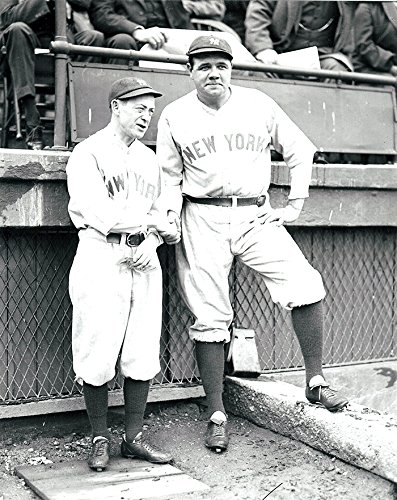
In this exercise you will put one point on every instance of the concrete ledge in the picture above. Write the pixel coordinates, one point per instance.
(360, 436)
(33, 192)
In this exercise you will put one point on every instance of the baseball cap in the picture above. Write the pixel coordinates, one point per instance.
(128, 87)
(206, 43)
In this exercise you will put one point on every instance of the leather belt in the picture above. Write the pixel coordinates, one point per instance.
(131, 240)
(232, 201)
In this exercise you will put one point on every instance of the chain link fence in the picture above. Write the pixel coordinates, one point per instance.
(358, 266)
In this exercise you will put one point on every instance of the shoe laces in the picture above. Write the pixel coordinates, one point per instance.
(148, 447)
(326, 391)
(218, 429)
(99, 447)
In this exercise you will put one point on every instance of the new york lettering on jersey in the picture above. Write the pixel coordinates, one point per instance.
(237, 141)
(124, 183)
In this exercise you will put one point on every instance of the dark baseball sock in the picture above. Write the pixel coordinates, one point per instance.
(308, 324)
(135, 398)
(210, 360)
(96, 402)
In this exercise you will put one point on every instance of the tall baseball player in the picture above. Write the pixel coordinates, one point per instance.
(219, 166)
(115, 283)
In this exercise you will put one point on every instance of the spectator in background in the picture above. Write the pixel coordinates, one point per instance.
(205, 9)
(375, 28)
(80, 31)
(235, 16)
(129, 25)
(277, 26)
(24, 27)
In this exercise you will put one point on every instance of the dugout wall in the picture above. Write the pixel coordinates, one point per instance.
(348, 232)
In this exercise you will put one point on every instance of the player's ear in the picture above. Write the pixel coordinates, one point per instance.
(189, 67)
(114, 106)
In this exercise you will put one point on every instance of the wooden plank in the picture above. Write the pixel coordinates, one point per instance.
(71, 472)
(132, 479)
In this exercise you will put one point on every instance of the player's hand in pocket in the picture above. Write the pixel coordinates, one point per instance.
(145, 256)
(278, 216)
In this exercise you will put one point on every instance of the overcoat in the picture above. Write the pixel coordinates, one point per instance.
(124, 16)
(271, 24)
(376, 36)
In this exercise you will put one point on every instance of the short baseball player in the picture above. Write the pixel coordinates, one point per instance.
(115, 282)
(214, 148)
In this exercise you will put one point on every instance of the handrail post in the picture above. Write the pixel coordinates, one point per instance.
(60, 77)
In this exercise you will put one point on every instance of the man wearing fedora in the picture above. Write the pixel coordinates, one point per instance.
(115, 281)
(217, 174)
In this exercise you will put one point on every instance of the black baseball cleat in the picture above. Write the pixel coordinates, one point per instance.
(217, 436)
(99, 455)
(319, 392)
(139, 448)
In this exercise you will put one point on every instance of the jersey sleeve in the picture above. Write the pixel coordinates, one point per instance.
(296, 148)
(90, 205)
(158, 207)
(171, 164)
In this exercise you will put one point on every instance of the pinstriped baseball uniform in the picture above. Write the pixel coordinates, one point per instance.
(112, 188)
(222, 153)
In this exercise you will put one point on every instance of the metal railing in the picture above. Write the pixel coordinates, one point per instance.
(62, 49)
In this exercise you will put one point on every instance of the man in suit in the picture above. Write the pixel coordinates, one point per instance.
(277, 26)
(375, 27)
(205, 9)
(128, 24)
(235, 16)
(25, 26)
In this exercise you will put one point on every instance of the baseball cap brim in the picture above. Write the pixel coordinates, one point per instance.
(210, 49)
(139, 92)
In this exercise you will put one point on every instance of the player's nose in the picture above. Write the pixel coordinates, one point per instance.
(214, 72)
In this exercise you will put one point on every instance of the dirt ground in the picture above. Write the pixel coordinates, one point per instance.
(259, 464)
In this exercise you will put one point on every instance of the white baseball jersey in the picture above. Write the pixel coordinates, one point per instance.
(223, 153)
(226, 152)
(112, 188)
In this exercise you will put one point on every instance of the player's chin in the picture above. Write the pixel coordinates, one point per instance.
(215, 90)
(140, 131)
(214, 87)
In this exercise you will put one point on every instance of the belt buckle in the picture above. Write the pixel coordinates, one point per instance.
(234, 201)
(260, 201)
(133, 240)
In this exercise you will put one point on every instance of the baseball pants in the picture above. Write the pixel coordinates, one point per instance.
(211, 237)
(116, 311)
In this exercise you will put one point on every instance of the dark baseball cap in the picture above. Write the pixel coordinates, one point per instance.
(204, 44)
(128, 87)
